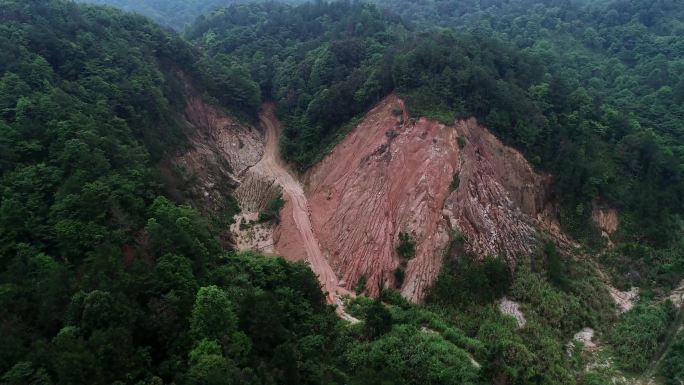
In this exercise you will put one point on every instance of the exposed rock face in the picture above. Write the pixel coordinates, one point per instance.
(388, 176)
(220, 150)
(499, 198)
(393, 174)
(512, 308)
(606, 219)
(677, 295)
(624, 299)
(586, 337)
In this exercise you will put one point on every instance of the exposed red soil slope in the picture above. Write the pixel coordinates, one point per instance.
(393, 174)
(500, 197)
(389, 175)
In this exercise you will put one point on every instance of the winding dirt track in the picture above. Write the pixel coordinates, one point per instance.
(272, 166)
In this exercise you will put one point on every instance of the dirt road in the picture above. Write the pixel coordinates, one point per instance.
(272, 166)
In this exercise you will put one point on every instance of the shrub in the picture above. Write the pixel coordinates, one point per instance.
(639, 333)
(272, 210)
(407, 246)
(360, 285)
(399, 274)
(378, 320)
(672, 368)
(455, 182)
(468, 281)
(461, 142)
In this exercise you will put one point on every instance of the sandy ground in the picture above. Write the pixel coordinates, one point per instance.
(271, 166)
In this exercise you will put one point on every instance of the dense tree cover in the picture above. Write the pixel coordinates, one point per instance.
(639, 333)
(672, 367)
(176, 14)
(102, 279)
(465, 280)
(85, 107)
(322, 62)
(536, 353)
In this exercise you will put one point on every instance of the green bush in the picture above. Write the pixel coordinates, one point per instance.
(468, 281)
(672, 367)
(406, 249)
(399, 275)
(272, 210)
(360, 285)
(461, 142)
(377, 320)
(639, 333)
(455, 182)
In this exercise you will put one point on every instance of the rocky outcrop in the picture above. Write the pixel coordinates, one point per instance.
(389, 175)
(395, 174)
(220, 149)
(586, 337)
(624, 299)
(392, 174)
(606, 220)
(499, 199)
(677, 295)
(512, 308)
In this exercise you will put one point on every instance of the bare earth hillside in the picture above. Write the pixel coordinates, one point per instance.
(391, 174)
(395, 174)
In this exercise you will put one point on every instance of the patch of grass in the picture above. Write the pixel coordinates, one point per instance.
(272, 210)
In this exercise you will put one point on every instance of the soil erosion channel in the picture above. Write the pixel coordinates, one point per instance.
(272, 167)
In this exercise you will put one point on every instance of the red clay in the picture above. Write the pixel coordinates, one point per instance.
(295, 215)
(393, 174)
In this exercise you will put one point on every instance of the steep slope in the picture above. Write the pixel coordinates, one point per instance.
(295, 214)
(294, 236)
(220, 149)
(395, 174)
(392, 174)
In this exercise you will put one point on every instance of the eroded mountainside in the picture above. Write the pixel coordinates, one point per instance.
(394, 174)
(220, 149)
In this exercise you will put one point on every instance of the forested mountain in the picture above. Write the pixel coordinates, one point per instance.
(620, 129)
(176, 14)
(323, 63)
(105, 278)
